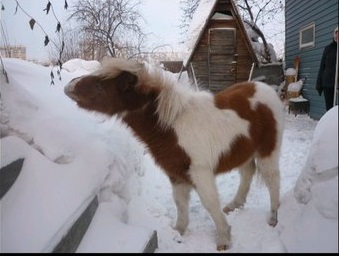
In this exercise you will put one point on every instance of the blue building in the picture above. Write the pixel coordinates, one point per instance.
(309, 28)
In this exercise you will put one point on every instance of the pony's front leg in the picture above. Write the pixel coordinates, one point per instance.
(181, 195)
(204, 181)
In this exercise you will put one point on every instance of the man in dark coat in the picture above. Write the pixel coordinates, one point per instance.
(327, 71)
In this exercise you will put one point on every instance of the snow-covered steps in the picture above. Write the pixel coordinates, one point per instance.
(52, 207)
(115, 236)
(70, 242)
(118, 237)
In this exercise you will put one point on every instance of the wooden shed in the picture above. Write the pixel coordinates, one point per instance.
(309, 28)
(219, 51)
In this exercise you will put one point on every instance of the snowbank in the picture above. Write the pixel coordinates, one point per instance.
(70, 156)
(81, 66)
(312, 226)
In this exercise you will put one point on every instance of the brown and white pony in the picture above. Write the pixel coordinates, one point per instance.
(193, 135)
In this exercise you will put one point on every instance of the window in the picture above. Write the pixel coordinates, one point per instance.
(306, 36)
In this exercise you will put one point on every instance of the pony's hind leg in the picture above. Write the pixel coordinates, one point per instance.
(181, 196)
(204, 181)
(246, 172)
(269, 169)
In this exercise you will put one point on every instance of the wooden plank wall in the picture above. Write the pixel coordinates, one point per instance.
(200, 57)
(222, 65)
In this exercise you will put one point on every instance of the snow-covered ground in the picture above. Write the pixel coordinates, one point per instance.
(71, 156)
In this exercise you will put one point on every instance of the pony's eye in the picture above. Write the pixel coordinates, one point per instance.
(98, 86)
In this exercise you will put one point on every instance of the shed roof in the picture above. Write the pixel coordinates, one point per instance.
(201, 17)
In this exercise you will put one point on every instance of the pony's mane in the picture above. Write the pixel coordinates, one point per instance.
(112, 67)
(172, 97)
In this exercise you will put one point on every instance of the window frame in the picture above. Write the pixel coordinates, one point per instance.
(303, 29)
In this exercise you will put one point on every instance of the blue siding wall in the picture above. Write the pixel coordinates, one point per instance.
(298, 14)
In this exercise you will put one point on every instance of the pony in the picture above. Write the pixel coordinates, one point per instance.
(193, 135)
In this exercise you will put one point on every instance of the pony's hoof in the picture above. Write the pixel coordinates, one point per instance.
(273, 222)
(227, 209)
(232, 206)
(180, 230)
(222, 247)
(273, 219)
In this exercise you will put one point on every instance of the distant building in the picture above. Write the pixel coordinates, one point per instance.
(174, 66)
(158, 57)
(13, 51)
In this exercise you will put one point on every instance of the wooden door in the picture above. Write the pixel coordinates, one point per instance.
(222, 56)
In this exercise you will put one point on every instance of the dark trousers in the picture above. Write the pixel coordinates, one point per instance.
(329, 96)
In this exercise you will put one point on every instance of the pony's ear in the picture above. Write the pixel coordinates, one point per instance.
(126, 80)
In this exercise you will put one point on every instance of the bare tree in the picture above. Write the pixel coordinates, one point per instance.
(188, 8)
(110, 24)
(91, 48)
(260, 12)
(72, 47)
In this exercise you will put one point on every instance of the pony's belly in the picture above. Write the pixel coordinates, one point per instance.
(207, 136)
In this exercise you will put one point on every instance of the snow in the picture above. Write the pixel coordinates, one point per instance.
(259, 49)
(79, 65)
(290, 72)
(298, 99)
(295, 86)
(317, 189)
(72, 155)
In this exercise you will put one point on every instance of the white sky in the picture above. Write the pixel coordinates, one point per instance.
(72, 155)
(162, 19)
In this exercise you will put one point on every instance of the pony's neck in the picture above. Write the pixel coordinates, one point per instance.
(172, 97)
(144, 122)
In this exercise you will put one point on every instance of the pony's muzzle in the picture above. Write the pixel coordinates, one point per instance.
(69, 88)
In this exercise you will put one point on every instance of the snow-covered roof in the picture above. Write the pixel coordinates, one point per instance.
(201, 17)
(198, 23)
